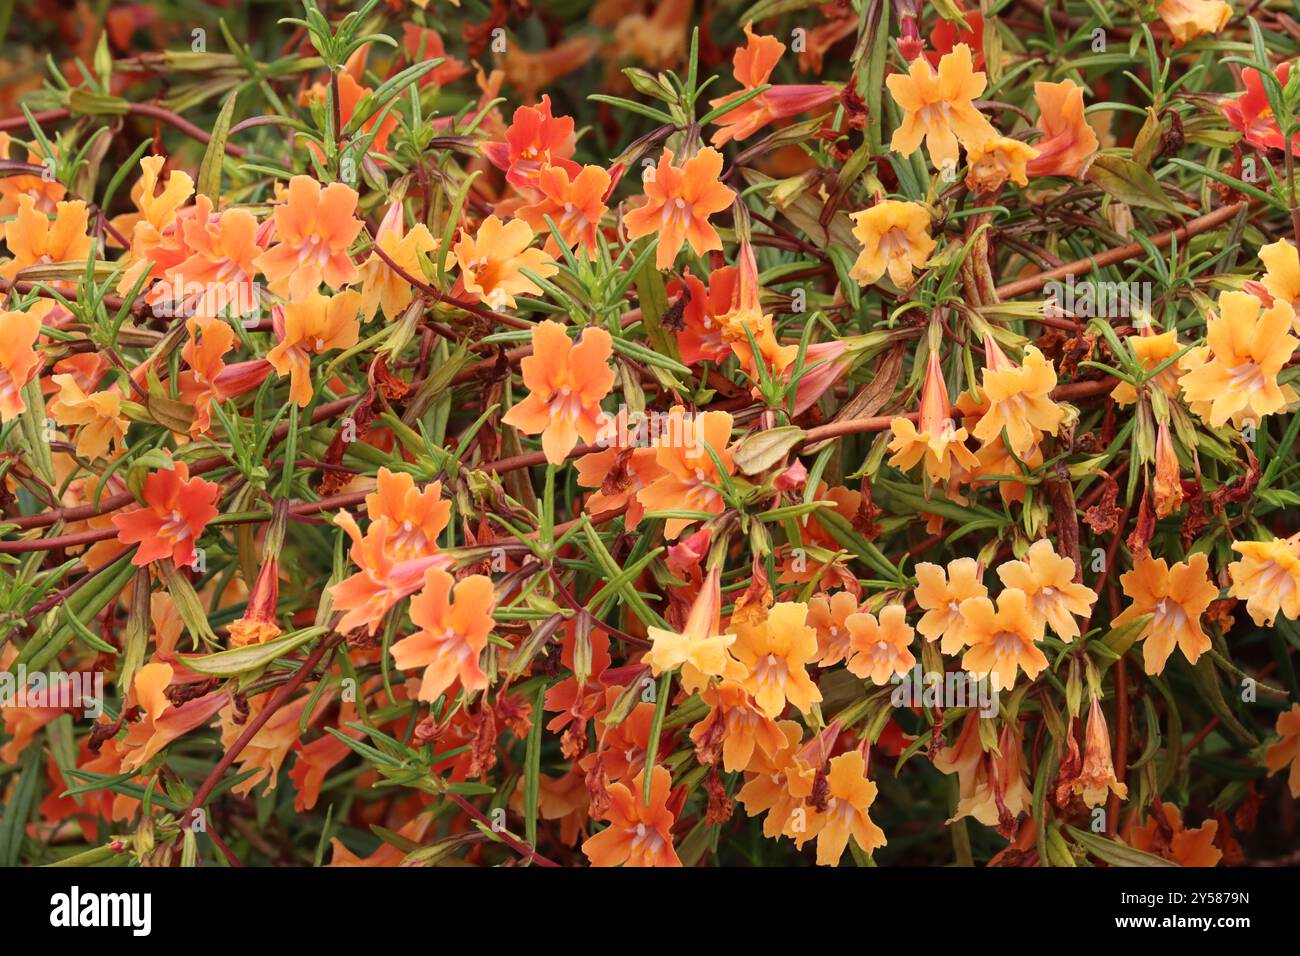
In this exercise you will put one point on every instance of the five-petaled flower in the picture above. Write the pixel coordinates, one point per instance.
(938, 107)
(566, 383)
(895, 239)
(679, 202)
(176, 510)
(314, 228)
(454, 625)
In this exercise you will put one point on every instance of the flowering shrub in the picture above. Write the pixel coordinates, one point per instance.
(860, 432)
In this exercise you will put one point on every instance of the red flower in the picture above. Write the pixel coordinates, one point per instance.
(1251, 114)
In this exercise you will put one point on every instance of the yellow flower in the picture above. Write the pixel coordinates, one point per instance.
(995, 160)
(776, 650)
(1267, 578)
(941, 595)
(850, 796)
(1248, 347)
(939, 442)
(1282, 275)
(701, 647)
(937, 107)
(1002, 641)
(1048, 582)
(380, 285)
(1019, 399)
(1152, 350)
(895, 238)
(98, 416)
(1189, 19)
(1176, 597)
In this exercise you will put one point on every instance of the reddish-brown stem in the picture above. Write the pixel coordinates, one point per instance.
(278, 700)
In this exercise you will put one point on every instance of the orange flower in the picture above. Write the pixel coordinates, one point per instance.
(209, 340)
(1047, 579)
(701, 647)
(991, 787)
(880, 648)
(19, 361)
(258, 624)
(1152, 350)
(752, 66)
(313, 228)
(1098, 775)
(265, 752)
(623, 746)
(659, 40)
(1067, 140)
(35, 241)
(938, 442)
(1171, 840)
(820, 557)
(1176, 596)
(535, 140)
(745, 318)
(453, 631)
(775, 650)
(386, 855)
(618, 473)
(314, 325)
(999, 467)
(1286, 751)
(639, 833)
(222, 264)
(829, 615)
(737, 725)
(690, 475)
(1189, 19)
(382, 580)
(679, 202)
(941, 595)
(1267, 578)
(177, 509)
(421, 45)
(938, 107)
(1248, 348)
(97, 416)
(850, 797)
(776, 784)
(162, 721)
(1281, 278)
(1004, 641)
(318, 758)
(157, 236)
(350, 94)
(995, 160)
(566, 384)
(700, 337)
(416, 517)
(380, 284)
(493, 260)
(1167, 483)
(45, 191)
(895, 238)
(1019, 399)
(574, 203)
